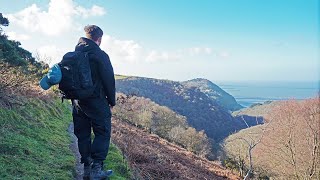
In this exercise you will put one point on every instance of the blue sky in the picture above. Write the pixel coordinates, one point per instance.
(221, 40)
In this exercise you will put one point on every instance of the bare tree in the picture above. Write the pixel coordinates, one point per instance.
(288, 147)
(251, 140)
(42, 58)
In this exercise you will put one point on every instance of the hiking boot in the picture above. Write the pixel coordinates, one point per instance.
(97, 172)
(87, 169)
(86, 172)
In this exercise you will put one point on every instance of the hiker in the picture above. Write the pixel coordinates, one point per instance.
(86, 77)
(95, 112)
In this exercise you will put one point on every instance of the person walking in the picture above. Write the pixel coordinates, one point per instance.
(94, 113)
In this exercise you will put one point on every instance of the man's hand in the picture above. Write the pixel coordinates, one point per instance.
(111, 107)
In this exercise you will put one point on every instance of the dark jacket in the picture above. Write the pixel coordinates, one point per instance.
(101, 69)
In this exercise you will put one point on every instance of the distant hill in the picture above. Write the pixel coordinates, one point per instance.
(257, 113)
(257, 110)
(214, 92)
(203, 112)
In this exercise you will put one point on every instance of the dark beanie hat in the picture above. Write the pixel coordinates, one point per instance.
(93, 32)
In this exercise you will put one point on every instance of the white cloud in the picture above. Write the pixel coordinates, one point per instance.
(133, 52)
(18, 37)
(224, 54)
(50, 54)
(154, 56)
(129, 51)
(200, 51)
(208, 50)
(94, 11)
(194, 50)
(122, 50)
(59, 17)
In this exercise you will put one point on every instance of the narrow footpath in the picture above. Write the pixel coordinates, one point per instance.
(74, 149)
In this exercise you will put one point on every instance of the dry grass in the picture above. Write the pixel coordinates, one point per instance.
(152, 157)
(16, 86)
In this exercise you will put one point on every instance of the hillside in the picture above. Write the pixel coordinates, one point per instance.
(152, 157)
(287, 146)
(214, 92)
(257, 110)
(34, 142)
(162, 121)
(202, 112)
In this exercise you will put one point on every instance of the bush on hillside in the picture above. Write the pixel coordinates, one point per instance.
(162, 121)
(19, 71)
(15, 85)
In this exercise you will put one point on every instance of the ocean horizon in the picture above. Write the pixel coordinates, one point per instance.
(248, 93)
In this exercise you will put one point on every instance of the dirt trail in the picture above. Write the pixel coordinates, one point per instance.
(154, 158)
(74, 149)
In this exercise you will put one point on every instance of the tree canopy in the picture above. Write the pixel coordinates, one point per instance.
(3, 22)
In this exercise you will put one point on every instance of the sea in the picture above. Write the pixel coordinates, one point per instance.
(249, 93)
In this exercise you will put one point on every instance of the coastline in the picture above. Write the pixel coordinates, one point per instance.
(249, 93)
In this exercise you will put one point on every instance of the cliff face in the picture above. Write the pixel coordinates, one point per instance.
(202, 112)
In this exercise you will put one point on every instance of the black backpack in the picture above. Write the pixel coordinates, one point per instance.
(76, 82)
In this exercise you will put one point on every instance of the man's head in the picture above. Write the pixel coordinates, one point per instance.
(94, 33)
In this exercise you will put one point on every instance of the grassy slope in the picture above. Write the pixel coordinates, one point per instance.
(34, 143)
(117, 163)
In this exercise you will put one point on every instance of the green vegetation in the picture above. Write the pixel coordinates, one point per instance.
(162, 121)
(12, 53)
(34, 142)
(202, 112)
(116, 161)
(214, 92)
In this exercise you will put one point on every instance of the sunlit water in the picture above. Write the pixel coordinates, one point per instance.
(248, 93)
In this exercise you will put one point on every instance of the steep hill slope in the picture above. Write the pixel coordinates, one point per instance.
(34, 143)
(214, 92)
(287, 146)
(202, 112)
(152, 157)
(162, 121)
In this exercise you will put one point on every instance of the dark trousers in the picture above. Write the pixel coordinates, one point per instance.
(93, 114)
